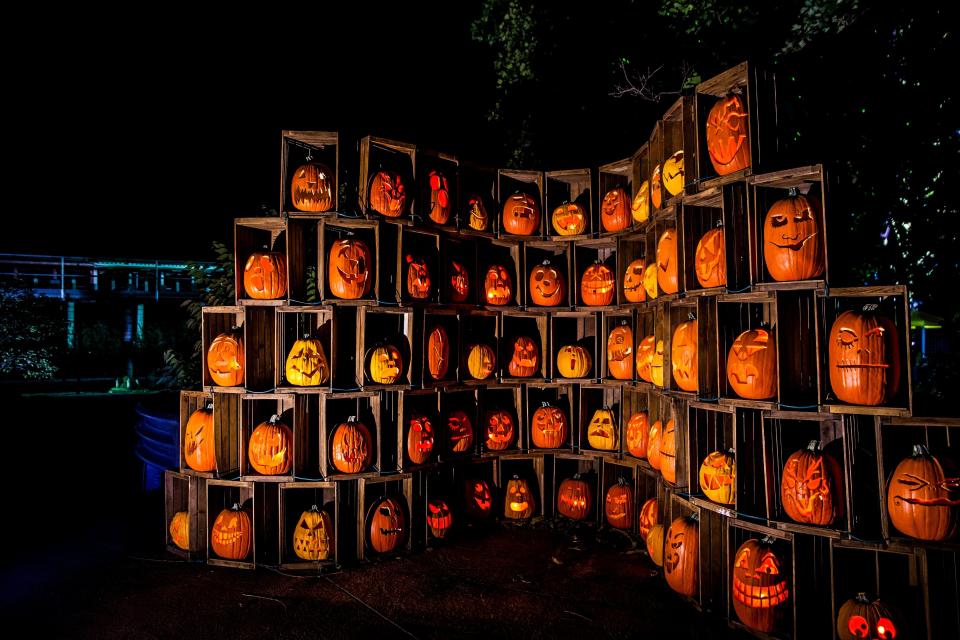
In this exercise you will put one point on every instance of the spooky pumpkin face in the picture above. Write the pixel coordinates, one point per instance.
(718, 477)
(759, 585)
(668, 452)
(459, 431)
(680, 556)
(311, 536)
(575, 499)
(351, 447)
(640, 207)
(386, 365)
(270, 450)
(439, 198)
(348, 269)
(265, 275)
(306, 364)
(418, 278)
(656, 188)
(419, 438)
(225, 359)
(521, 215)
(654, 441)
(550, 428)
(864, 358)
(477, 219)
(860, 618)
(633, 282)
(614, 214)
(311, 188)
(438, 353)
(386, 525)
(638, 432)
(792, 247)
(710, 260)
(232, 534)
(673, 179)
(811, 489)
(500, 430)
(573, 361)
(498, 285)
(548, 287)
(569, 219)
(602, 432)
(618, 506)
(439, 518)
(649, 516)
(597, 286)
(180, 530)
(388, 195)
(478, 499)
(199, 442)
(727, 141)
(922, 501)
(683, 355)
(667, 262)
(752, 365)
(655, 544)
(519, 503)
(645, 353)
(650, 281)
(620, 353)
(481, 361)
(459, 282)
(526, 358)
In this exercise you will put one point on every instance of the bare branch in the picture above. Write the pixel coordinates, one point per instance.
(641, 85)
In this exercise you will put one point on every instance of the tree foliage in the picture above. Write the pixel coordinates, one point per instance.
(32, 334)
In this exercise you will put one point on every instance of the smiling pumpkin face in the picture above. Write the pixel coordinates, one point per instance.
(348, 269)
(548, 287)
(759, 585)
(311, 188)
(640, 207)
(792, 246)
(633, 281)
(597, 286)
(386, 525)
(710, 260)
(232, 534)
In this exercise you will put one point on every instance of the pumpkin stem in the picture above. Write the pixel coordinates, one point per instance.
(274, 419)
(351, 418)
(793, 192)
(516, 477)
(694, 517)
(209, 406)
(691, 315)
(235, 507)
(767, 540)
(870, 308)
(920, 451)
(314, 508)
(544, 403)
(732, 452)
(621, 481)
(862, 598)
(546, 262)
(814, 446)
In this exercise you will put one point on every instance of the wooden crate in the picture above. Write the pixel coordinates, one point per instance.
(712, 538)
(337, 408)
(453, 401)
(517, 324)
(631, 246)
(737, 314)
(479, 328)
(386, 326)
(640, 208)
(296, 323)
(496, 253)
(304, 245)
(724, 208)
(586, 254)
(370, 492)
(655, 175)
(414, 249)
(295, 411)
(448, 320)
(446, 168)
(555, 254)
(187, 494)
(573, 186)
(612, 472)
(380, 154)
(298, 148)
(618, 174)
(222, 494)
(365, 231)
(561, 396)
(458, 264)
(587, 467)
(475, 483)
(594, 397)
(256, 235)
(655, 232)
(712, 428)
(529, 467)
(680, 135)
(798, 361)
(213, 322)
(941, 583)
(297, 498)
(621, 352)
(400, 408)
(226, 427)
(434, 485)
(513, 181)
(664, 408)
(502, 397)
(579, 328)
(479, 198)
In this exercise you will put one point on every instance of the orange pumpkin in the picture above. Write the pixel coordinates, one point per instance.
(620, 353)
(500, 430)
(640, 207)
(439, 198)
(638, 432)
(760, 585)
(650, 281)
(526, 358)
(478, 499)
(667, 262)
(681, 556)
(549, 427)
(419, 438)
(439, 518)
(270, 450)
(348, 269)
(683, 355)
(385, 364)
(923, 502)
(656, 188)
(654, 442)
(418, 278)
(668, 452)
(521, 215)
(864, 358)
(727, 141)
(673, 180)
(614, 210)
(654, 541)
(459, 282)
(481, 361)
(752, 365)
(387, 525)
(459, 431)
(311, 188)
(811, 486)
(792, 245)
(649, 516)
(388, 195)
(710, 260)
(225, 359)
(618, 505)
(573, 361)
(232, 534)
(548, 287)
(498, 286)
(597, 286)
(180, 530)
(265, 275)
(199, 440)
(569, 219)
(718, 477)
(633, 282)
(519, 503)
(351, 447)
(575, 498)
(646, 351)
(860, 618)
(438, 353)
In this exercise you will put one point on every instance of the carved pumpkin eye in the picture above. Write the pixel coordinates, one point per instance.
(803, 215)
(742, 560)
(885, 629)
(434, 181)
(914, 482)
(768, 566)
(858, 627)
(778, 220)
(847, 338)
(385, 511)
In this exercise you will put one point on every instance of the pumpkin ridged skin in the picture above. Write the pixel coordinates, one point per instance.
(602, 432)
(864, 358)
(859, 618)
(349, 269)
(573, 361)
(438, 353)
(311, 536)
(569, 219)
(311, 188)
(598, 285)
(270, 448)
(638, 432)
(684, 356)
(388, 194)
(265, 275)
(549, 429)
(481, 361)
(710, 263)
(668, 452)
(618, 506)
(728, 144)
(574, 499)
(922, 501)
(615, 210)
(673, 174)
(654, 542)
(351, 447)
(386, 525)
(667, 270)
(649, 517)
(526, 358)
(519, 503)
(439, 518)
(792, 245)
(199, 441)
(548, 286)
(760, 585)
(225, 359)
(306, 364)
(680, 556)
(811, 487)
(620, 353)
(521, 215)
(718, 477)
(633, 290)
(231, 536)
(752, 365)
(640, 207)
(386, 365)
(180, 530)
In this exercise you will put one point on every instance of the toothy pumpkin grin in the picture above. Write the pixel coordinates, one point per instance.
(794, 246)
(760, 597)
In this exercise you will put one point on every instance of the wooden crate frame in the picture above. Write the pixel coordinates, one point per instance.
(246, 494)
(736, 314)
(508, 255)
(289, 518)
(367, 231)
(471, 471)
(292, 410)
(369, 489)
(592, 398)
(680, 134)
(295, 149)
(466, 399)
(569, 185)
(315, 321)
(712, 539)
(610, 176)
(559, 395)
(226, 425)
(724, 207)
(559, 254)
(509, 320)
(610, 320)
(367, 409)
(631, 246)
(567, 465)
(611, 470)
(186, 493)
(419, 400)
(511, 181)
(449, 320)
(303, 257)
(250, 235)
(534, 475)
(478, 181)
(366, 341)
(449, 167)
(585, 254)
(508, 397)
(381, 153)
(583, 327)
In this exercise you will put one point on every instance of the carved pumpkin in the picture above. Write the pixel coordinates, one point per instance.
(199, 440)
(683, 355)
(270, 450)
(667, 262)
(459, 282)
(225, 359)
(710, 260)
(477, 219)
(633, 282)
(481, 361)
(478, 499)
(752, 365)
(923, 502)
(573, 361)
(618, 505)
(418, 278)
(680, 555)
(673, 180)
(654, 541)
(640, 207)
(860, 618)
(811, 486)
(668, 452)
(519, 503)
(614, 215)
(638, 432)
(311, 536)
(439, 198)
(569, 219)
(602, 432)
(727, 142)
(180, 530)
(388, 195)
(439, 518)
(718, 477)
(386, 365)
(459, 431)
(646, 351)
(231, 537)
(521, 215)
(498, 285)
(438, 353)
(575, 498)
(306, 364)
(348, 269)
(760, 585)
(351, 447)
(548, 287)
(550, 427)
(311, 188)
(654, 441)
(597, 286)
(265, 275)
(792, 247)
(656, 188)
(526, 358)
(649, 517)
(650, 281)
(620, 353)
(864, 358)
(386, 525)
(500, 430)
(419, 438)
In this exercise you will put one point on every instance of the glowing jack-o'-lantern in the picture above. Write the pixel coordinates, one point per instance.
(792, 248)
(860, 618)
(649, 517)
(727, 142)
(481, 361)
(419, 438)
(438, 353)
(459, 431)
(620, 352)
(306, 364)
(760, 585)
(613, 210)
(439, 518)
(656, 188)
(311, 188)
(459, 282)
(549, 429)
(526, 358)
(573, 361)
(597, 286)
(680, 555)
(265, 275)
(418, 278)
(710, 260)
(864, 358)
(439, 197)
(269, 450)
(633, 282)
(638, 432)
(548, 287)
(654, 541)
(478, 499)
(668, 452)
(569, 219)
(752, 365)
(618, 505)
(811, 487)
(718, 477)
(231, 537)
(640, 207)
(498, 285)
(923, 502)
(348, 269)
(683, 355)
(386, 525)
(667, 262)
(351, 447)
(575, 498)
(673, 180)
(521, 215)
(180, 530)
(199, 442)
(385, 364)
(519, 502)
(645, 354)
(225, 359)
(388, 195)
(602, 432)
(477, 219)
(500, 430)
(654, 441)
(650, 281)
(311, 536)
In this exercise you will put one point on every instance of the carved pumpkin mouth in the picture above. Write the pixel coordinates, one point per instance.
(928, 502)
(747, 376)
(390, 532)
(519, 506)
(603, 433)
(860, 365)
(360, 278)
(227, 537)
(760, 597)
(793, 244)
